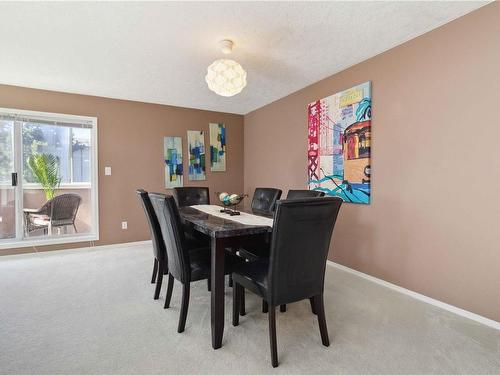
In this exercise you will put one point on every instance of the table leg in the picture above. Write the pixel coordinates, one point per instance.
(217, 284)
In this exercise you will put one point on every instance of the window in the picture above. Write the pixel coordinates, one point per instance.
(69, 143)
(48, 166)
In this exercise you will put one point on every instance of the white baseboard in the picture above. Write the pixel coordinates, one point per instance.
(123, 244)
(103, 247)
(107, 247)
(456, 310)
(80, 249)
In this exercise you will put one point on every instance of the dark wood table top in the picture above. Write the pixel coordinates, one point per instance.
(217, 227)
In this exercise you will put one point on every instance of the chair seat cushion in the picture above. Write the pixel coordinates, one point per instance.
(201, 263)
(42, 220)
(253, 276)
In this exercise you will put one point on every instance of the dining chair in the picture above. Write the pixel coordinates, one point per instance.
(292, 194)
(295, 270)
(263, 203)
(264, 200)
(160, 265)
(191, 195)
(184, 264)
(295, 194)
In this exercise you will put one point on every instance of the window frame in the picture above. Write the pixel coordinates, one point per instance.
(94, 182)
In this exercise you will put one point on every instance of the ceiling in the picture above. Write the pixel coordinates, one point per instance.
(158, 52)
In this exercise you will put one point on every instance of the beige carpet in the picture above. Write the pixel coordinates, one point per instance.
(92, 312)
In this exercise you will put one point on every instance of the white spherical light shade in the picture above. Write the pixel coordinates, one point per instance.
(226, 77)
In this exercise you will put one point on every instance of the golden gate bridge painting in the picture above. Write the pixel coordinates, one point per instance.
(339, 139)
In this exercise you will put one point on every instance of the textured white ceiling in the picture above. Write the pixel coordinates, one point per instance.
(158, 52)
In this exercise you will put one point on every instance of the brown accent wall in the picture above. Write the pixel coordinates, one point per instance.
(130, 136)
(432, 226)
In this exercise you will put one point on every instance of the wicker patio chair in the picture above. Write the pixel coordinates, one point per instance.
(59, 212)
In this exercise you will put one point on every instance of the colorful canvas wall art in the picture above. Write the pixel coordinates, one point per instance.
(339, 144)
(196, 147)
(217, 147)
(172, 148)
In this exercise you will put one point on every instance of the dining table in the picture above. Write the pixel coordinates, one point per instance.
(225, 232)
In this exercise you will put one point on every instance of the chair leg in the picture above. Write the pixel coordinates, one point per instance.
(242, 301)
(159, 279)
(265, 307)
(282, 308)
(155, 270)
(168, 296)
(272, 335)
(236, 304)
(184, 307)
(209, 285)
(320, 309)
(74, 228)
(230, 282)
(313, 308)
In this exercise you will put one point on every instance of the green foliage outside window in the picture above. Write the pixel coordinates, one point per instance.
(45, 170)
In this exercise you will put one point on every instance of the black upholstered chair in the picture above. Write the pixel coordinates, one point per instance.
(292, 194)
(296, 194)
(191, 195)
(264, 200)
(184, 264)
(160, 266)
(295, 269)
(263, 203)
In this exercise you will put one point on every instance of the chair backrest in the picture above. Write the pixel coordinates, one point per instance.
(192, 195)
(300, 241)
(173, 235)
(154, 226)
(64, 207)
(296, 194)
(264, 200)
(45, 209)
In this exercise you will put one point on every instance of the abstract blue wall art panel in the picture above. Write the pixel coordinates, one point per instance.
(172, 150)
(196, 148)
(217, 147)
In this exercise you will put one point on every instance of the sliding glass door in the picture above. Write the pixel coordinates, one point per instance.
(9, 191)
(48, 178)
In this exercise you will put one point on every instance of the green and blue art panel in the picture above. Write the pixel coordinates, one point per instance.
(172, 149)
(196, 147)
(217, 147)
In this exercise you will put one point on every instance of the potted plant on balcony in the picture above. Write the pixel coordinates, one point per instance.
(45, 169)
(60, 211)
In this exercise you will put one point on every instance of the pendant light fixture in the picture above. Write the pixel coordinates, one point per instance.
(226, 77)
